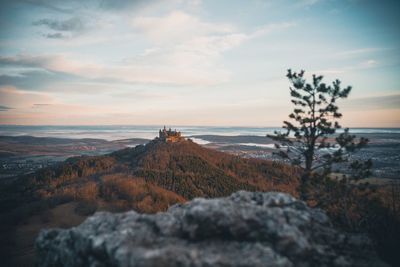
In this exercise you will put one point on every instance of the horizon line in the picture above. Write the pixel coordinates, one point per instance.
(177, 125)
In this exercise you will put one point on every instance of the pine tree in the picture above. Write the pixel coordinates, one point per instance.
(309, 141)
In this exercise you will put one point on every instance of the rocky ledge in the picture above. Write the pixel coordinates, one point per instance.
(245, 229)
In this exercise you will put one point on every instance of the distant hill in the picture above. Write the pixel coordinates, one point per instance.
(235, 139)
(26, 145)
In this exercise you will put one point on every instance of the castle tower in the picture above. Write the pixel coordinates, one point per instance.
(169, 136)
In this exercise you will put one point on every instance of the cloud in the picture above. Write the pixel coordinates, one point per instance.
(359, 52)
(41, 105)
(179, 27)
(52, 5)
(370, 63)
(40, 69)
(74, 6)
(11, 96)
(46, 69)
(24, 60)
(373, 103)
(184, 50)
(362, 65)
(27, 109)
(70, 25)
(62, 28)
(54, 35)
(184, 30)
(123, 4)
(268, 28)
(191, 44)
(38, 79)
(4, 108)
(176, 27)
(48, 62)
(306, 3)
(309, 2)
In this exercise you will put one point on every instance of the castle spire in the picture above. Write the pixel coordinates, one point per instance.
(169, 135)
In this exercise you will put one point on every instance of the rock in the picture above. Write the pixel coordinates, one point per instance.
(245, 229)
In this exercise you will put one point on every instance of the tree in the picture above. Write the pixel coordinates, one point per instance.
(309, 141)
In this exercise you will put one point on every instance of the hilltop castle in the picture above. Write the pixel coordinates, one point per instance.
(169, 136)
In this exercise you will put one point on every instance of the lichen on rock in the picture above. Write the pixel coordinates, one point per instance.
(244, 229)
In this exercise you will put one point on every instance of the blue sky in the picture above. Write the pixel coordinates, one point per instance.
(193, 62)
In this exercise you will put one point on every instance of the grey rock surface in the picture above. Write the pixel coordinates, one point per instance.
(244, 229)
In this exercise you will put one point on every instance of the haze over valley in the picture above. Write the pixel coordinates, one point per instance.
(174, 133)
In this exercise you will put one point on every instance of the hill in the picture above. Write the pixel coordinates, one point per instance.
(20, 155)
(184, 168)
(147, 178)
(150, 178)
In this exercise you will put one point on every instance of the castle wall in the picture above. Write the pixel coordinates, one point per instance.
(170, 136)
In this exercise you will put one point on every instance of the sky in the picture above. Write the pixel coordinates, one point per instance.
(193, 62)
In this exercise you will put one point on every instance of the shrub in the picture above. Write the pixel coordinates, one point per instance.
(86, 207)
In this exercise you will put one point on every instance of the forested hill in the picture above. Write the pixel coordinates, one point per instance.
(147, 178)
(150, 178)
(174, 171)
